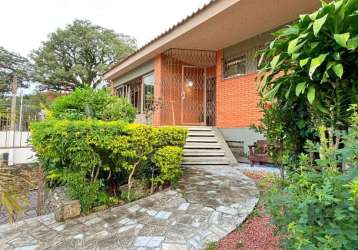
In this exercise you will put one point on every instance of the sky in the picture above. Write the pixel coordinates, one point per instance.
(24, 24)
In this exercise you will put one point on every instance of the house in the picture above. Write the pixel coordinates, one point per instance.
(202, 70)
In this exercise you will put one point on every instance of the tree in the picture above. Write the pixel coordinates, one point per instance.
(77, 55)
(315, 61)
(13, 67)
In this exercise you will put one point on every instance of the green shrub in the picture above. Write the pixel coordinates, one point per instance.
(107, 154)
(308, 74)
(317, 207)
(170, 136)
(90, 194)
(89, 103)
(168, 160)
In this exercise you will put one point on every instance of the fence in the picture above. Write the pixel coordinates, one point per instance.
(14, 135)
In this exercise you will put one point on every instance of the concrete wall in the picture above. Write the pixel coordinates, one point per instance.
(17, 146)
(141, 70)
(246, 135)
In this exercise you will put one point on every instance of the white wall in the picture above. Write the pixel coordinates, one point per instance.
(17, 146)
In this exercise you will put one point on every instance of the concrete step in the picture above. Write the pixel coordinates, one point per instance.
(201, 134)
(203, 152)
(199, 128)
(205, 161)
(193, 145)
(202, 139)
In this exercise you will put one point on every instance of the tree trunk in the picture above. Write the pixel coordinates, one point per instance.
(130, 181)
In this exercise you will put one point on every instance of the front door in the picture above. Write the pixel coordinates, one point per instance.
(192, 111)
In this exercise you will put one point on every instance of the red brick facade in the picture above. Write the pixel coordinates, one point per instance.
(236, 99)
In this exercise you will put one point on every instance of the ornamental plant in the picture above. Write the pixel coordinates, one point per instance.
(316, 207)
(316, 59)
(93, 158)
(84, 103)
(308, 74)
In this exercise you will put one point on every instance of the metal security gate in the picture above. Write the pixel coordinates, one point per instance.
(183, 86)
(210, 101)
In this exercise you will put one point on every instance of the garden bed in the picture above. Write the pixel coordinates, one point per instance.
(256, 232)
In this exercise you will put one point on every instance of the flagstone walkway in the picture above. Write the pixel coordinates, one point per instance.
(207, 204)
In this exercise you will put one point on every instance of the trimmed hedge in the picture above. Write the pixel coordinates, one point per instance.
(105, 152)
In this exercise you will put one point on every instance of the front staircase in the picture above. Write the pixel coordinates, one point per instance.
(205, 146)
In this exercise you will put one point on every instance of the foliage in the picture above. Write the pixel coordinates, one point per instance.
(313, 60)
(170, 136)
(317, 208)
(168, 160)
(308, 75)
(13, 65)
(13, 192)
(77, 55)
(90, 194)
(89, 103)
(105, 154)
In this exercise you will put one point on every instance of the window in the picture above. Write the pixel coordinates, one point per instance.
(139, 91)
(148, 82)
(235, 66)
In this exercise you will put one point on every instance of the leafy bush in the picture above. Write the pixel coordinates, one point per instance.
(105, 154)
(89, 103)
(318, 206)
(90, 194)
(309, 75)
(170, 136)
(168, 160)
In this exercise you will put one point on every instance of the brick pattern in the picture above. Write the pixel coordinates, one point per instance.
(236, 99)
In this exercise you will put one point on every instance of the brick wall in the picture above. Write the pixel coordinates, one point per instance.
(236, 99)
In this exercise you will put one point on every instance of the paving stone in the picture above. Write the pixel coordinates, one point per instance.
(163, 215)
(208, 203)
(184, 206)
(173, 246)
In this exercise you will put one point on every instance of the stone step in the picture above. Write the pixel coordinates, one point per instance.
(205, 161)
(193, 145)
(202, 139)
(201, 133)
(199, 128)
(203, 152)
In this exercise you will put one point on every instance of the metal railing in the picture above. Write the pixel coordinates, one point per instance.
(15, 128)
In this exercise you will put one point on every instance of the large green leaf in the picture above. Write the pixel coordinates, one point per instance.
(275, 61)
(292, 46)
(338, 69)
(300, 88)
(342, 39)
(316, 62)
(311, 94)
(303, 62)
(318, 24)
(353, 43)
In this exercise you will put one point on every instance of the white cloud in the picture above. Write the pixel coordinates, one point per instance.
(25, 23)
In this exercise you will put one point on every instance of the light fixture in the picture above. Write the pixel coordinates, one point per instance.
(190, 83)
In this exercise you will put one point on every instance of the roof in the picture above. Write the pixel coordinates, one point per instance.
(184, 20)
(217, 25)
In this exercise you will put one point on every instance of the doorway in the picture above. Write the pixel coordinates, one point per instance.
(193, 97)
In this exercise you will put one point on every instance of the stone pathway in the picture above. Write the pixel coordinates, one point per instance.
(207, 204)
